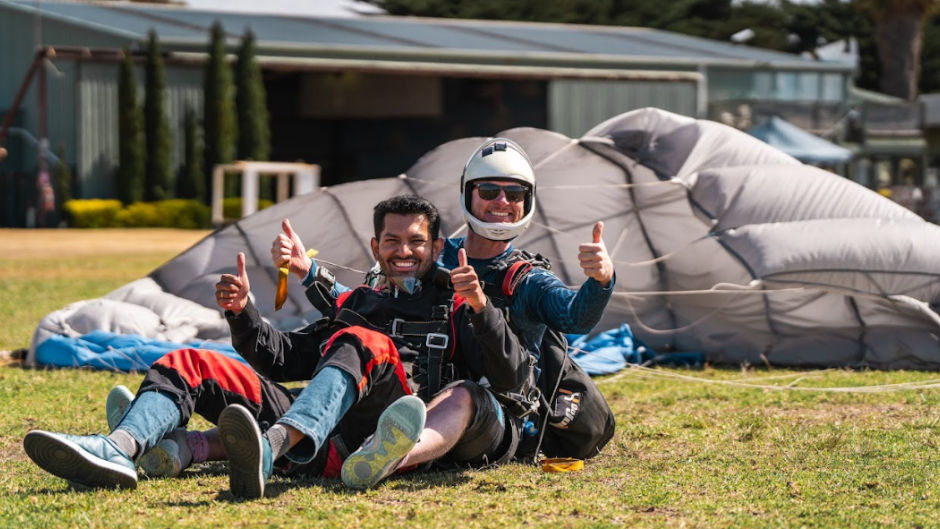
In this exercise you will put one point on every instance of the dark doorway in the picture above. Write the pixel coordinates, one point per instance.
(361, 126)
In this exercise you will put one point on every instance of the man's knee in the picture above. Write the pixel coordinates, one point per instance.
(458, 394)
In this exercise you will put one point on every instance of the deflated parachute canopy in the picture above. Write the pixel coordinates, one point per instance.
(722, 244)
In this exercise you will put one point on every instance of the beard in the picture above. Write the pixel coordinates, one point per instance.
(408, 282)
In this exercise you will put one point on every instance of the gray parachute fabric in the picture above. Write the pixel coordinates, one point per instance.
(722, 244)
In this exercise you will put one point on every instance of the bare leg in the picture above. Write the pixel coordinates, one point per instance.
(449, 415)
(216, 448)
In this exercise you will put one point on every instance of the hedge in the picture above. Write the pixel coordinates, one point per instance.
(173, 213)
(232, 206)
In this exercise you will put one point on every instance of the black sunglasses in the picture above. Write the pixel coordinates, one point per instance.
(514, 193)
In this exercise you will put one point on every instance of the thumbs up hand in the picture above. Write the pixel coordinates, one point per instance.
(594, 259)
(288, 249)
(231, 292)
(466, 284)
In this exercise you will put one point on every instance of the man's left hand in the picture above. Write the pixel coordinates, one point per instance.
(466, 284)
(594, 259)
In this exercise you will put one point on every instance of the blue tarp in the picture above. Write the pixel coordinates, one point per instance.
(798, 143)
(611, 351)
(115, 352)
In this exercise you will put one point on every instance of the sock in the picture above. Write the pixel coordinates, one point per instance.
(125, 442)
(277, 438)
(198, 446)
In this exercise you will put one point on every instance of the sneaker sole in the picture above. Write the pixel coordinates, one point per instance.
(242, 440)
(119, 398)
(397, 431)
(67, 460)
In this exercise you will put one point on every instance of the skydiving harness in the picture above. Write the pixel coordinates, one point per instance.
(426, 327)
(574, 419)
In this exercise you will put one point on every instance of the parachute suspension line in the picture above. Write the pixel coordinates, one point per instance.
(675, 329)
(432, 184)
(622, 237)
(337, 265)
(617, 244)
(647, 372)
(655, 183)
(348, 221)
(271, 272)
(733, 289)
(571, 143)
(458, 231)
(655, 372)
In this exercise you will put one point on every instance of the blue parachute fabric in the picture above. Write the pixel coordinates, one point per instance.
(611, 351)
(115, 352)
(607, 352)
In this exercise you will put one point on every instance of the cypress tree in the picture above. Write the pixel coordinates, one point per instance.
(254, 133)
(219, 121)
(159, 175)
(62, 182)
(130, 173)
(192, 182)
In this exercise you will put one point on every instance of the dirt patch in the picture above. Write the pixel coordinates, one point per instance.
(54, 243)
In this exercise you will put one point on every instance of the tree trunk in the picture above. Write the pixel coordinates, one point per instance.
(899, 44)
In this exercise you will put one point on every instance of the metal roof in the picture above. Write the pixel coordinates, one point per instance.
(424, 39)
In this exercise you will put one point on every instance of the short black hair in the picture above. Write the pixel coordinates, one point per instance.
(406, 205)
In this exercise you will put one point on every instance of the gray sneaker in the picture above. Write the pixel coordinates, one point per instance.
(119, 398)
(396, 433)
(169, 458)
(89, 460)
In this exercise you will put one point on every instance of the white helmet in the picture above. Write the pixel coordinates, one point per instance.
(498, 159)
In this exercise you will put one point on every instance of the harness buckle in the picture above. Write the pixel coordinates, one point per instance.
(396, 323)
(440, 312)
(437, 340)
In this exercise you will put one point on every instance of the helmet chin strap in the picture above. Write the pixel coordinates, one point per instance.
(484, 237)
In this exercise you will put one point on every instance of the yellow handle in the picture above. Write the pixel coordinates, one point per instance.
(562, 464)
(280, 294)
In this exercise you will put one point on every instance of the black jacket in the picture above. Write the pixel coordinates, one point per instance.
(480, 345)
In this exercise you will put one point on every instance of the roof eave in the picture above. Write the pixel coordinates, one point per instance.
(556, 59)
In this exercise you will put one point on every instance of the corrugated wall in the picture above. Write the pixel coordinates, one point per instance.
(98, 137)
(577, 105)
(21, 34)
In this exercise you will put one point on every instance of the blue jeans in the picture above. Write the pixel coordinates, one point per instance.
(318, 409)
(150, 416)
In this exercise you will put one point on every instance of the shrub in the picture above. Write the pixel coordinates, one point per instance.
(232, 206)
(140, 215)
(173, 213)
(93, 213)
(186, 214)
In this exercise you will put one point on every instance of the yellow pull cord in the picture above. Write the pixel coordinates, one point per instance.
(280, 294)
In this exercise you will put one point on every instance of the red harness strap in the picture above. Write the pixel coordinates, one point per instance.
(343, 297)
(514, 275)
(197, 365)
(381, 348)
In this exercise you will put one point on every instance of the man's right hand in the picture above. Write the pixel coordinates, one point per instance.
(231, 292)
(466, 283)
(288, 248)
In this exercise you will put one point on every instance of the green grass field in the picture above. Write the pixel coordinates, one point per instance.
(719, 447)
